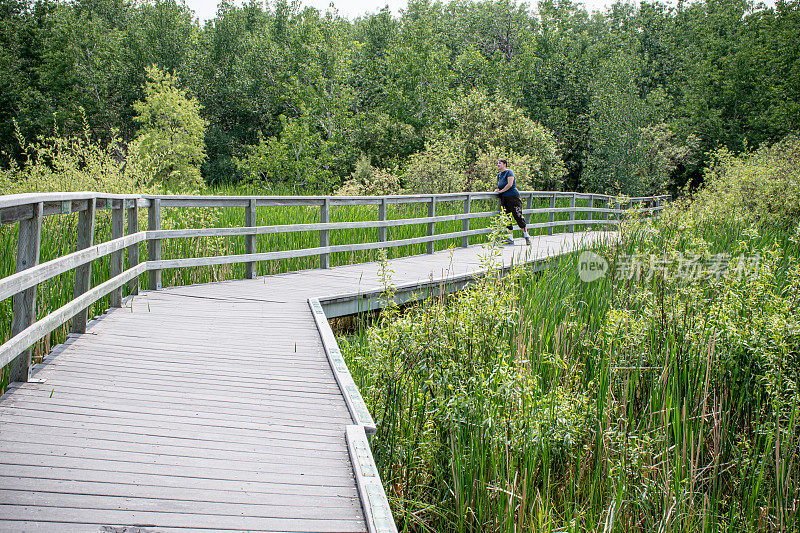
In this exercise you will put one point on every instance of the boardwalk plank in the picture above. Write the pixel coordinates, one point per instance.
(54, 386)
(96, 488)
(87, 423)
(264, 509)
(109, 439)
(298, 431)
(274, 358)
(240, 374)
(234, 487)
(158, 388)
(328, 411)
(334, 468)
(252, 362)
(156, 520)
(229, 385)
(171, 448)
(183, 471)
(320, 416)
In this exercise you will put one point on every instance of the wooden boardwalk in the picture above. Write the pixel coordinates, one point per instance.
(211, 407)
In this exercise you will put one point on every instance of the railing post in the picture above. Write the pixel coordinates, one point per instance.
(324, 235)
(431, 225)
(467, 210)
(529, 206)
(117, 231)
(29, 243)
(382, 233)
(83, 273)
(657, 205)
(572, 214)
(250, 240)
(551, 215)
(154, 245)
(133, 250)
(590, 215)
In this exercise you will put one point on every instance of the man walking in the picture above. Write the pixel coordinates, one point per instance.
(509, 199)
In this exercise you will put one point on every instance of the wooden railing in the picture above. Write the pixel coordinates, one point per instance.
(30, 209)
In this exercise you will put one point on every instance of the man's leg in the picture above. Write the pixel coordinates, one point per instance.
(518, 216)
(508, 207)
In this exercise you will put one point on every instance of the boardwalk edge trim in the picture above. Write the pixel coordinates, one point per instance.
(355, 403)
(377, 512)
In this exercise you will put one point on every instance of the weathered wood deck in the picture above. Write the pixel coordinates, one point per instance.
(209, 407)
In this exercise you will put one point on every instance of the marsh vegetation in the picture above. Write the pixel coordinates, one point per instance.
(661, 397)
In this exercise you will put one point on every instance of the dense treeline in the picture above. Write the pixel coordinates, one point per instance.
(635, 97)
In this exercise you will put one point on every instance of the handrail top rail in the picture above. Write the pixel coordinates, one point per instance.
(421, 196)
(24, 199)
(15, 200)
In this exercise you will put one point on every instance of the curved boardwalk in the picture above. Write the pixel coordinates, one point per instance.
(209, 407)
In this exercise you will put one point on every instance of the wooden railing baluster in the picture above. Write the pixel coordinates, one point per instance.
(529, 205)
(382, 233)
(431, 225)
(572, 213)
(29, 245)
(325, 235)
(251, 267)
(133, 250)
(465, 226)
(117, 230)
(154, 245)
(83, 273)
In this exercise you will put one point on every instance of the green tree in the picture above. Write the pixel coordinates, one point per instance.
(299, 157)
(169, 143)
(493, 125)
(556, 68)
(419, 63)
(617, 157)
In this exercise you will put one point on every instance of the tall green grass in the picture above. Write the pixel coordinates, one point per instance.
(540, 402)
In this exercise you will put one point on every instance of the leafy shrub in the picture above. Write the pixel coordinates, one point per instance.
(369, 181)
(763, 185)
(494, 126)
(439, 168)
(75, 163)
(483, 174)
